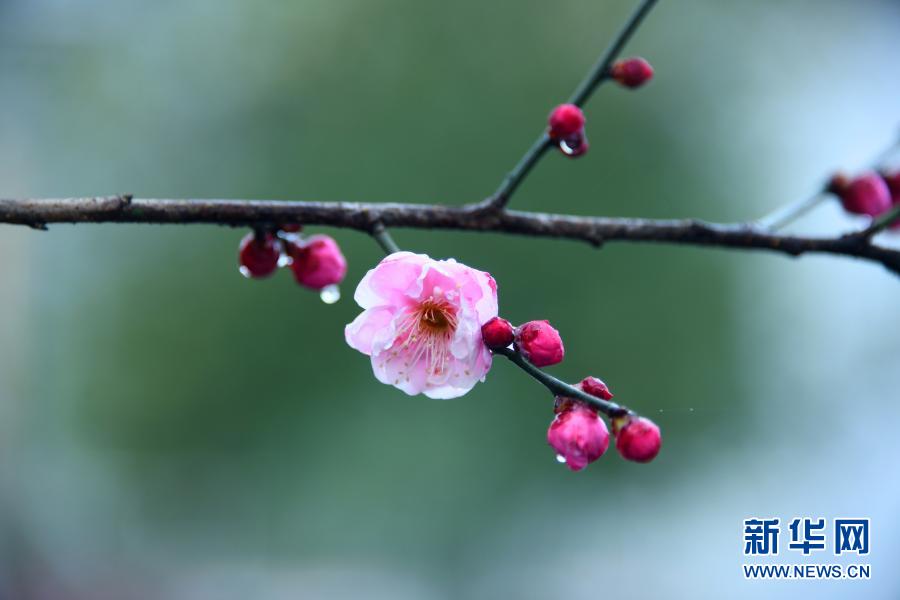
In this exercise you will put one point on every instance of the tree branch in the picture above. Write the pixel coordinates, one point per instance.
(791, 212)
(364, 216)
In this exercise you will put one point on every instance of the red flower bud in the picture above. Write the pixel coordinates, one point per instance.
(258, 257)
(317, 262)
(632, 72)
(540, 343)
(867, 194)
(637, 438)
(578, 435)
(892, 179)
(595, 387)
(291, 227)
(893, 182)
(564, 121)
(497, 333)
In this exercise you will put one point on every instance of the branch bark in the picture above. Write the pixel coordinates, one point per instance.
(365, 216)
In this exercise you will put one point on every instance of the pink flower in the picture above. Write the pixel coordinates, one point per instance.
(421, 324)
(540, 343)
(578, 435)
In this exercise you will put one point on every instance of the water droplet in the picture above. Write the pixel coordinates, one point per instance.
(284, 259)
(560, 458)
(660, 410)
(330, 294)
(244, 271)
(574, 145)
(691, 409)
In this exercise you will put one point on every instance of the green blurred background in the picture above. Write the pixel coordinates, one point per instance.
(169, 429)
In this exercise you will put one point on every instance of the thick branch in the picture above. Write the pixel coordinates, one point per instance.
(471, 217)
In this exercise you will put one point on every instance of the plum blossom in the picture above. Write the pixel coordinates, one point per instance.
(421, 324)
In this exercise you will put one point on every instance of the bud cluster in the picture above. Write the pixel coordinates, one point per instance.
(316, 261)
(580, 436)
(578, 433)
(565, 125)
(537, 341)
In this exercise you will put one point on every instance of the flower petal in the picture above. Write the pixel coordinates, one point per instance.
(388, 282)
(369, 325)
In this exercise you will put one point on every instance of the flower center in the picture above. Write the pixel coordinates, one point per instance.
(437, 316)
(425, 334)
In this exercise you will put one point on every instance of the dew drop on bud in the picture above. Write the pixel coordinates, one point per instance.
(284, 260)
(330, 294)
(245, 271)
(560, 458)
(567, 150)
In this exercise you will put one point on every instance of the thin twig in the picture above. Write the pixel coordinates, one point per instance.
(884, 221)
(561, 388)
(600, 71)
(511, 182)
(791, 212)
(384, 239)
(597, 75)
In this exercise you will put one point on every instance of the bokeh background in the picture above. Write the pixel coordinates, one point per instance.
(169, 429)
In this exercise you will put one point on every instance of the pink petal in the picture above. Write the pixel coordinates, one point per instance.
(371, 324)
(393, 367)
(389, 281)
